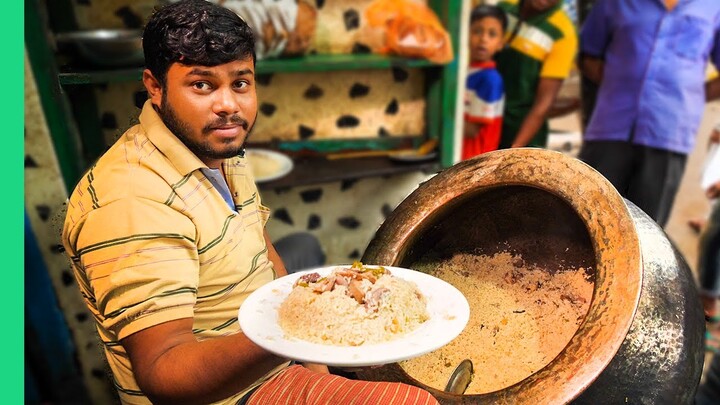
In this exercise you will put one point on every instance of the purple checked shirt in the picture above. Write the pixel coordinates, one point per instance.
(655, 69)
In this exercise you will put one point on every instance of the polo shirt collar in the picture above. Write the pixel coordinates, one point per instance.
(179, 155)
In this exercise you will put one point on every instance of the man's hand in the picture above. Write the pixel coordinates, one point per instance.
(318, 368)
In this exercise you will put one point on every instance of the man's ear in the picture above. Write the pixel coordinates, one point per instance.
(153, 87)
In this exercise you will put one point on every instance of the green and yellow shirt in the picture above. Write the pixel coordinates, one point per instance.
(151, 240)
(541, 46)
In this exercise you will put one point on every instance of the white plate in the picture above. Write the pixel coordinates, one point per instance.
(448, 309)
(268, 165)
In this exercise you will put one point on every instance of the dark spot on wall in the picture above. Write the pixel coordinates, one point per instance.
(354, 255)
(348, 121)
(313, 92)
(392, 108)
(267, 109)
(283, 215)
(351, 19)
(305, 132)
(359, 48)
(386, 210)
(359, 90)
(399, 74)
(314, 222)
(383, 133)
(349, 222)
(81, 317)
(30, 162)
(129, 18)
(347, 184)
(139, 98)
(310, 196)
(319, 4)
(264, 79)
(57, 248)
(108, 121)
(43, 211)
(67, 278)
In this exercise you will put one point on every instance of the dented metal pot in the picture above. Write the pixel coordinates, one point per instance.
(642, 338)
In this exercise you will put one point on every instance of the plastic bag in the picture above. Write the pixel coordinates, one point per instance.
(411, 29)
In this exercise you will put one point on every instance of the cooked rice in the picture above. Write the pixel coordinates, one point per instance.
(336, 318)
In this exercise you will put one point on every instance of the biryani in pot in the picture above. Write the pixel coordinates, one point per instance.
(352, 306)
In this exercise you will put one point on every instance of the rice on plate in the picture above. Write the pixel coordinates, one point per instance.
(352, 306)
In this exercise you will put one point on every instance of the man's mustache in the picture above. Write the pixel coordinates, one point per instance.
(222, 121)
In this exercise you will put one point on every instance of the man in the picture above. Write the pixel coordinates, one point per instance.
(540, 52)
(166, 232)
(649, 58)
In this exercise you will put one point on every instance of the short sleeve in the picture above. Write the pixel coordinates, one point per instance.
(485, 95)
(561, 58)
(596, 30)
(142, 270)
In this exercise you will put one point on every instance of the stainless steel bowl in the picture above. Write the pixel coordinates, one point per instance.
(106, 47)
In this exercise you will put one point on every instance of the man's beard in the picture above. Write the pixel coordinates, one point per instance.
(202, 148)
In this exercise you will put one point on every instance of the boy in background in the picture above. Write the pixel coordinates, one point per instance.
(484, 94)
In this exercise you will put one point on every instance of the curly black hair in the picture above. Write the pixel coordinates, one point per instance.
(486, 10)
(195, 32)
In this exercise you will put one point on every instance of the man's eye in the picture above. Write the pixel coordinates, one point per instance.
(241, 84)
(201, 85)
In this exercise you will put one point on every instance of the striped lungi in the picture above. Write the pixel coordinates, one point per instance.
(297, 385)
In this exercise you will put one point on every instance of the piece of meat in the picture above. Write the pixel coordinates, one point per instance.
(307, 279)
(323, 285)
(355, 291)
(373, 299)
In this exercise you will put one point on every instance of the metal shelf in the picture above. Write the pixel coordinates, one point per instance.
(310, 63)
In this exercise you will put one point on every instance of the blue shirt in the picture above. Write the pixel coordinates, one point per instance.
(655, 62)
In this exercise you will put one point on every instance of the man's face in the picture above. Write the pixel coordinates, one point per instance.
(542, 5)
(210, 109)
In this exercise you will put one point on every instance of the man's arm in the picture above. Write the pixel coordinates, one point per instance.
(712, 89)
(172, 367)
(592, 68)
(547, 90)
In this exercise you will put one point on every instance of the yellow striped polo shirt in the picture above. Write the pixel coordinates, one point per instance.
(540, 46)
(151, 240)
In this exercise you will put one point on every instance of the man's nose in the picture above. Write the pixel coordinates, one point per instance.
(225, 102)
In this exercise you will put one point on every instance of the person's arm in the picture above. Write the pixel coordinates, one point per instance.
(547, 90)
(172, 367)
(712, 89)
(592, 68)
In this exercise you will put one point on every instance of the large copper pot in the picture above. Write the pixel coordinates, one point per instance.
(641, 340)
